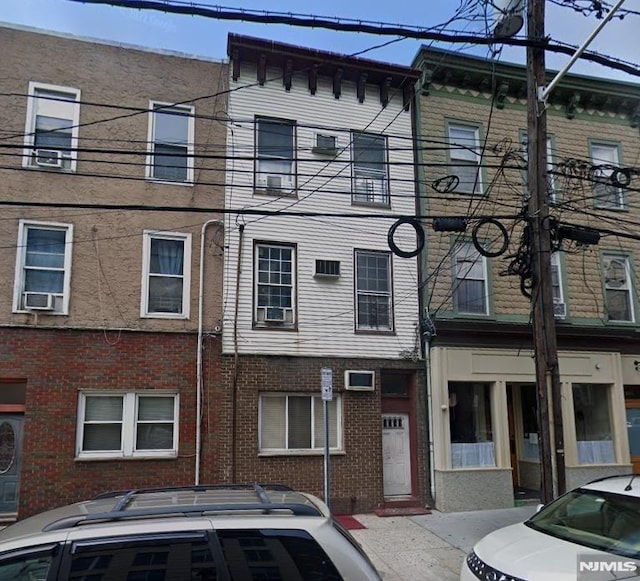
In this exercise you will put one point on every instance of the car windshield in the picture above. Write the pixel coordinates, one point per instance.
(599, 520)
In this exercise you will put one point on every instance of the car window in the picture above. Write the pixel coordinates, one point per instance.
(188, 556)
(27, 565)
(600, 520)
(274, 554)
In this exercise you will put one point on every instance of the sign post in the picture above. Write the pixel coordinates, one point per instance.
(327, 396)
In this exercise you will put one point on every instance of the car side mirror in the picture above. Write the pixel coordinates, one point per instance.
(539, 507)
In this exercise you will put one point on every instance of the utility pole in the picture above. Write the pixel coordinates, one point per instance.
(544, 324)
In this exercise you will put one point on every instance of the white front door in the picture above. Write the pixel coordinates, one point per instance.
(396, 467)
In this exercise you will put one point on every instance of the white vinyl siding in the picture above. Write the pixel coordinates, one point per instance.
(120, 425)
(43, 267)
(171, 139)
(51, 131)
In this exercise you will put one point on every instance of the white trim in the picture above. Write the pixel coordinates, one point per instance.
(265, 321)
(389, 295)
(30, 122)
(21, 253)
(190, 110)
(148, 235)
(458, 246)
(607, 257)
(129, 424)
(456, 154)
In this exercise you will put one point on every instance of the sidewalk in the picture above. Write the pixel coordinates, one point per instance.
(429, 547)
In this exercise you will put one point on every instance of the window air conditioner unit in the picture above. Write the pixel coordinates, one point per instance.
(359, 380)
(559, 310)
(326, 144)
(38, 301)
(275, 315)
(274, 183)
(48, 157)
(327, 268)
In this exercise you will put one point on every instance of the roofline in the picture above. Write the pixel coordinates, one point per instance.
(114, 44)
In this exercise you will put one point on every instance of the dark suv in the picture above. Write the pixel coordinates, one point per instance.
(199, 533)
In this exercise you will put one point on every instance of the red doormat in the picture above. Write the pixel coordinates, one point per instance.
(348, 522)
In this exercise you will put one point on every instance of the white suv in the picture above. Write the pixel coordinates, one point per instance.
(194, 533)
(592, 532)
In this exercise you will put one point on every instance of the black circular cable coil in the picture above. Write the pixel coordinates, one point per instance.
(415, 224)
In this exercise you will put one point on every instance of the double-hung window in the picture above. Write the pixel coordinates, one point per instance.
(43, 267)
(275, 156)
(606, 158)
(120, 425)
(559, 306)
(550, 173)
(171, 138)
(370, 177)
(618, 288)
(295, 422)
(51, 134)
(374, 292)
(464, 156)
(470, 288)
(274, 284)
(166, 274)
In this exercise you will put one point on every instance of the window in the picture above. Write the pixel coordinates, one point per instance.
(171, 137)
(470, 290)
(551, 179)
(275, 148)
(470, 425)
(118, 425)
(51, 133)
(593, 424)
(374, 307)
(370, 179)
(530, 431)
(559, 306)
(296, 422)
(166, 275)
(617, 283)
(274, 284)
(43, 267)
(464, 154)
(605, 158)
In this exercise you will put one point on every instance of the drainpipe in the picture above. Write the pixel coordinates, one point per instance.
(199, 380)
(427, 362)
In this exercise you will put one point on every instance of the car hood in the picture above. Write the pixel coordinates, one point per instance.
(523, 552)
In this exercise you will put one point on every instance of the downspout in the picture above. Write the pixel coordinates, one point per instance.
(199, 379)
(234, 402)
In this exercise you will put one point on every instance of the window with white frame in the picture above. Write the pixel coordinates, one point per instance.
(606, 158)
(559, 306)
(618, 288)
(43, 267)
(275, 156)
(171, 138)
(295, 422)
(593, 423)
(370, 174)
(374, 292)
(120, 425)
(464, 155)
(274, 284)
(470, 289)
(550, 175)
(470, 425)
(166, 274)
(51, 133)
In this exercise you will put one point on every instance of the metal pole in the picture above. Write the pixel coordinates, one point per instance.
(544, 330)
(327, 458)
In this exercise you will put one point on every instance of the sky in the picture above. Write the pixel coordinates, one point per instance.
(206, 37)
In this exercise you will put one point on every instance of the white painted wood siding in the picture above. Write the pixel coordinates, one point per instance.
(325, 308)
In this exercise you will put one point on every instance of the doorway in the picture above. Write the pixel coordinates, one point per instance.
(10, 461)
(396, 454)
(632, 408)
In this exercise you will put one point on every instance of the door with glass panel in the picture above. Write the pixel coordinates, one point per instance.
(10, 460)
(632, 404)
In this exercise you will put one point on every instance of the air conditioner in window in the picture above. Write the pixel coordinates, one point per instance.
(559, 310)
(274, 182)
(48, 157)
(38, 301)
(275, 315)
(325, 144)
(359, 380)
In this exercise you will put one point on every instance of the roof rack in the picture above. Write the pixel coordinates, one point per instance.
(263, 504)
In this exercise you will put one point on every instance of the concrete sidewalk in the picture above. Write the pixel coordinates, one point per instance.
(429, 547)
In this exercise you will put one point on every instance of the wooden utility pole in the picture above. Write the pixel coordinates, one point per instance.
(544, 324)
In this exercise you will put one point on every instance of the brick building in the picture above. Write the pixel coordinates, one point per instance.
(111, 250)
(472, 132)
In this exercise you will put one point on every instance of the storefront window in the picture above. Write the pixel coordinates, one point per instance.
(530, 446)
(593, 424)
(470, 425)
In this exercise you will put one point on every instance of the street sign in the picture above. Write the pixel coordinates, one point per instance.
(327, 384)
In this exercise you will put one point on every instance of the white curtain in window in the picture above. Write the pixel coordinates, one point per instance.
(473, 455)
(596, 452)
(170, 256)
(272, 424)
